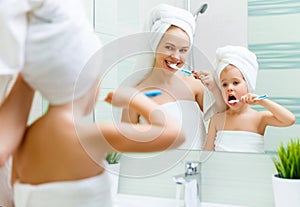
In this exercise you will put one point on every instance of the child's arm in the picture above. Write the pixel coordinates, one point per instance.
(14, 113)
(276, 115)
(279, 115)
(162, 132)
(211, 136)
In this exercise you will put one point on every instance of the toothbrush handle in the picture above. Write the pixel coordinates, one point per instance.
(153, 93)
(186, 71)
(261, 97)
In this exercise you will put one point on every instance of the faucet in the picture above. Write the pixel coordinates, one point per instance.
(191, 174)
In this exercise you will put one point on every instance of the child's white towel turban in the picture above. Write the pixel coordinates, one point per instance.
(241, 58)
(163, 16)
(59, 45)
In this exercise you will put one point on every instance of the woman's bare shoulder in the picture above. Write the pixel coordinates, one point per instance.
(219, 116)
(192, 82)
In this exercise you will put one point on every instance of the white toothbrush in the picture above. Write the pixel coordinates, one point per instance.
(256, 99)
(174, 66)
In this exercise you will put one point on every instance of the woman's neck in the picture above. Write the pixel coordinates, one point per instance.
(67, 110)
(161, 76)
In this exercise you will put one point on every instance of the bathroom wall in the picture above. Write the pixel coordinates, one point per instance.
(239, 179)
(229, 178)
(274, 36)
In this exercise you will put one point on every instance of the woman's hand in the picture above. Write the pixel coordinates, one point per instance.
(206, 78)
(121, 97)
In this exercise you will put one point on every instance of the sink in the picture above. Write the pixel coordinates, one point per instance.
(124, 200)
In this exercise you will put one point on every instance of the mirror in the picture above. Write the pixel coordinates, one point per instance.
(251, 23)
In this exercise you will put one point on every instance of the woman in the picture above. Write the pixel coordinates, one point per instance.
(37, 38)
(60, 160)
(184, 96)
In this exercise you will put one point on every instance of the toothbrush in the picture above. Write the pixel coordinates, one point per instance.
(177, 68)
(256, 99)
(153, 93)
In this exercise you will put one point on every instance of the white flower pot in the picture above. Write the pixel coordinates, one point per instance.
(113, 171)
(286, 192)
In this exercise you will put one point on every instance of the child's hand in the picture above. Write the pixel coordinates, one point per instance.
(121, 97)
(206, 78)
(249, 98)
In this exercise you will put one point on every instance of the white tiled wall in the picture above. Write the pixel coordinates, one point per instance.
(274, 37)
(229, 178)
(240, 179)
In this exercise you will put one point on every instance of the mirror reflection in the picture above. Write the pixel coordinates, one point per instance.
(243, 25)
(182, 94)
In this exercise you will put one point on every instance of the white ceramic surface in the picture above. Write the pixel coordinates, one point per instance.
(286, 192)
(124, 200)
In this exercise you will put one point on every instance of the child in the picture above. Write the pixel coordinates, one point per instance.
(241, 128)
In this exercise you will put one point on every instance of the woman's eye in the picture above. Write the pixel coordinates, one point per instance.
(169, 47)
(183, 50)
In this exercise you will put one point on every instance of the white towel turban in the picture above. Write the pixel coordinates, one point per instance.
(163, 16)
(60, 42)
(159, 20)
(241, 58)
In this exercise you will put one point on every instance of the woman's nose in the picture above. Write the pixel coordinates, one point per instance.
(176, 54)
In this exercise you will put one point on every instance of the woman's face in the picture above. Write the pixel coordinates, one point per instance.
(233, 84)
(172, 49)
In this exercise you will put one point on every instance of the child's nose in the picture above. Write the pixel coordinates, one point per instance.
(230, 87)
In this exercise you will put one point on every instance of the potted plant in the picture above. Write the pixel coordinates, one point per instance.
(113, 158)
(113, 169)
(286, 183)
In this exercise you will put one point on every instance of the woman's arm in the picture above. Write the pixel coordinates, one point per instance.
(14, 113)
(129, 116)
(208, 81)
(162, 132)
(211, 136)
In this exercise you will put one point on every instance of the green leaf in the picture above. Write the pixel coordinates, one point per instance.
(287, 162)
(113, 158)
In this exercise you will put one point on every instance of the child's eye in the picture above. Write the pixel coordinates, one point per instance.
(235, 82)
(224, 85)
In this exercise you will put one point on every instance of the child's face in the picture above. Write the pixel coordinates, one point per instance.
(233, 84)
